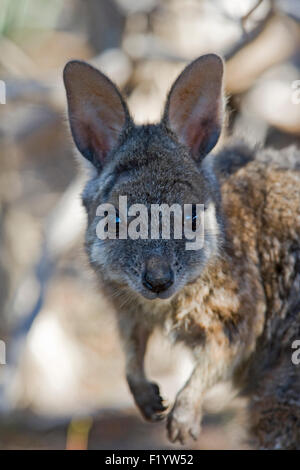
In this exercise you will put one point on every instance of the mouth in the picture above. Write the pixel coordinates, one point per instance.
(163, 295)
(148, 294)
(153, 296)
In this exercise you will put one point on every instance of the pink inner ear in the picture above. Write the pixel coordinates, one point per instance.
(91, 138)
(97, 111)
(99, 143)
(194, 134)
(194, 123)
(194, 107)
(200, 125)
(98, 129)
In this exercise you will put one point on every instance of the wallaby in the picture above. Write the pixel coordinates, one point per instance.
(236, 301)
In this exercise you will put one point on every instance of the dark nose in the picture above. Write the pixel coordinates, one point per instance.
(158, 275)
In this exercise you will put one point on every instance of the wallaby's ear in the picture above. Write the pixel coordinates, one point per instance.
(194, 108)
(97, 111)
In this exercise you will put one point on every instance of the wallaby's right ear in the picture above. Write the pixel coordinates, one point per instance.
(194, 108)
(97, 111)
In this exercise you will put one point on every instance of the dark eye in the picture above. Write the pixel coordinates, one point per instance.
(118, 221)
(193, 217)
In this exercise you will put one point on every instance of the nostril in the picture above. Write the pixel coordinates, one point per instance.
(147, 284)
(158, 283)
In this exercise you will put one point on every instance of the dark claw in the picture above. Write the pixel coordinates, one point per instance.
(149, 401)
(155, 411)
(155, 388)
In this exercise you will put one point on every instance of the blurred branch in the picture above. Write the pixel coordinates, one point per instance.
(273, 41)
(247, 16)
(248, 38)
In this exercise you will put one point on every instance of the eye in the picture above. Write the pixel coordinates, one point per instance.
(118, 221)
(193, 217)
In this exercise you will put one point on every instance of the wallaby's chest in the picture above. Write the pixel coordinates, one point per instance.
(215, 310)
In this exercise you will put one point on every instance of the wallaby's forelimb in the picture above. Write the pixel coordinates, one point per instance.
(184, 420)
(146, 394)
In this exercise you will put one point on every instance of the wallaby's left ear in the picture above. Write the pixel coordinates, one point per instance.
(97, 111)
(194, 108)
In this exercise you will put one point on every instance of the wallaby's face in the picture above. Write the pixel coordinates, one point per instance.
(151, 164)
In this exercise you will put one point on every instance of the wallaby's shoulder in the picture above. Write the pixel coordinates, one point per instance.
(239, 154)
(261, 202)
(265, 182)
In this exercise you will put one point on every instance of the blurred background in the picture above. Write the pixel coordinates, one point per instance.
(63, 382)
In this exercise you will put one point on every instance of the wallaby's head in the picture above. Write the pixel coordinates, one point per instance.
(165, 163)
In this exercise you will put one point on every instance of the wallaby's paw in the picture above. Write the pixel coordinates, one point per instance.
(183, 423)
(149, 401)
